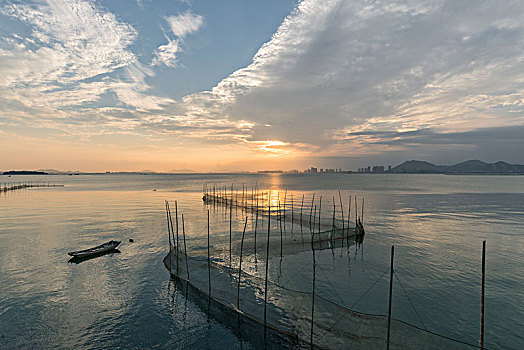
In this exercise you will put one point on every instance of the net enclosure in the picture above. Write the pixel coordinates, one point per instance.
(239, 269)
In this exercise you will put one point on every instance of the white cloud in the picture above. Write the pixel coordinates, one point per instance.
(74, 53)
(184, 24)
(401, 65)
(167, 54)
(74, 38)
(180, 26)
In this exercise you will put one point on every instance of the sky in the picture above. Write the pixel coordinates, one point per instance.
(243, 85)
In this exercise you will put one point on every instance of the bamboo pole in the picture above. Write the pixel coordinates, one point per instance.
(341, 210)
(172, 231)
(280, 223)
(390, 296)
(177, 245)
(301, 206)
(230, 234)
(356, 211)
(362, 215)
(349, 213)
(208, 258)
(314, 218)
(267, 262)
(292, 215)
(256, 227)
(168, 233)
(319, 209)
(240, 265)
(185, 247)
(311, 212)
(482, 294)
(236, 197)
(333, 226)
(313, 296)
(285, 200)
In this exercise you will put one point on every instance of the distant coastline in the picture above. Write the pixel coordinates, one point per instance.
(470, 167)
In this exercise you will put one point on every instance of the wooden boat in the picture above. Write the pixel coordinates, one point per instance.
(95, 250)
(78, 260)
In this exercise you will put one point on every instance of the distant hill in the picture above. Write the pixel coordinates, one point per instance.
(470, 166)
(467, 167)
(181, 171)
(417, 166)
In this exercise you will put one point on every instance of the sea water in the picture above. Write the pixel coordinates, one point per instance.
(127, 300)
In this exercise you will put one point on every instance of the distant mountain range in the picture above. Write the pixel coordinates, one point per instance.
(467, 167)
(181, 171)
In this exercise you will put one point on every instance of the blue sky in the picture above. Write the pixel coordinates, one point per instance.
(243, 85)
(230, 35)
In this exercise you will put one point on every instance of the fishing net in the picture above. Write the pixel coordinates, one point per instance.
(243, 279)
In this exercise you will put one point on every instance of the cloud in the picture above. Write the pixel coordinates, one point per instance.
(180, 26)
(490, 144)
(167, 54)
(73, 55)
(336, 67)
(184, 24)
(70, 41)
(431, 137)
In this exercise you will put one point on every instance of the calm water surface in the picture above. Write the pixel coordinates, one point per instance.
(128, 300)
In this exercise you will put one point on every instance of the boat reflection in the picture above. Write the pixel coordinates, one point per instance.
(78, 260)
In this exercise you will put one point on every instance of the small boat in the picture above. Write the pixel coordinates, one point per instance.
(95, 250)
(78, 260)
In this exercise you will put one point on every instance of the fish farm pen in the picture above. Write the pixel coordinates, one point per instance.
(235, 263)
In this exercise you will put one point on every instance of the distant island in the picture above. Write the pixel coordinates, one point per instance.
(467, 167)
(24, 172)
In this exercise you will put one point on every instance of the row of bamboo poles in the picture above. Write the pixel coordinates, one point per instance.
(254, 200)
(12, 186)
